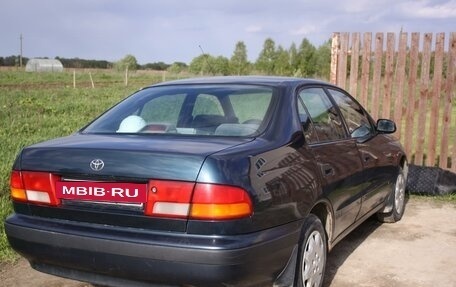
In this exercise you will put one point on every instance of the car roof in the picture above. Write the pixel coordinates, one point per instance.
(258, 80)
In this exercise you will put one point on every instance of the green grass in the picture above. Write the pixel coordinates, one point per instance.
(32, 110)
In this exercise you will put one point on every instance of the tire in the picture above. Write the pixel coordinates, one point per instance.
(396, 199)
(313, 251)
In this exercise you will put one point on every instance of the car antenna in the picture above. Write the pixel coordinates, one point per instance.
(207, 61)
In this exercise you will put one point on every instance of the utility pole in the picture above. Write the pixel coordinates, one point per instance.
(20, 58)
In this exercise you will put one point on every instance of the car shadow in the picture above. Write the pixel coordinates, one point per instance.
(345, 248)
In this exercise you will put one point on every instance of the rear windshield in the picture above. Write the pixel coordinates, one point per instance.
(218, 110)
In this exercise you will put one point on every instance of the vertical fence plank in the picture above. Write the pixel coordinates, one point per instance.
(435, 98)
(423, 104)
(365, 67)
(377, 75)
(399, 107)
(451, 94)
(334, 58)
(388, 78)
(448, 106)
(410, 129)
(354, 63)
(342, 61)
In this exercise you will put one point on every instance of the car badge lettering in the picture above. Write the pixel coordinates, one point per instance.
(97, 164)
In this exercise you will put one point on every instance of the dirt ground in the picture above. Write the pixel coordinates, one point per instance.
(418, 251)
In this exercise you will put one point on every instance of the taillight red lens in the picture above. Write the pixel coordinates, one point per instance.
(201, 201)
(17, 186)
(169, 198)
(34, 187)
(218, 202)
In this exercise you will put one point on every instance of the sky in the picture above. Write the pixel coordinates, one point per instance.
(174, 30)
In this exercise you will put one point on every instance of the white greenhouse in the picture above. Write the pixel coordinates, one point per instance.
(44, 65)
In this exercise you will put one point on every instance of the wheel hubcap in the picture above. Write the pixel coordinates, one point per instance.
(314, 259)
(399, 193)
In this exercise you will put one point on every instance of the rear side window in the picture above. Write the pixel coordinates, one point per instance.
(326, 121)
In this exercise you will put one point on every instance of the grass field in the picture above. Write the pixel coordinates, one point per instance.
(39, 106)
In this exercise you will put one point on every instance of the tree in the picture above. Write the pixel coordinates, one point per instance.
(294, 61)
(207, 64)
(157, 66)
(323, 60)
(221, 65)
(201, 65)
(177, 67)
(266, 59)
(238, 63)
(129, 61)
(282, 62)
(307, 58)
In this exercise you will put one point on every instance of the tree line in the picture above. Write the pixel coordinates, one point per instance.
(304, 60)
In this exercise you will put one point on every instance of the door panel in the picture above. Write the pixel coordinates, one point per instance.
(341, 170)
(375, 161)
(379, 170)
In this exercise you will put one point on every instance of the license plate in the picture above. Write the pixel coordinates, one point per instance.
(102, 191)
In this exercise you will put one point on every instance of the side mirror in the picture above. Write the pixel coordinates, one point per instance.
(386, 126)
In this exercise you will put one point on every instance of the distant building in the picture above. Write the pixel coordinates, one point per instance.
(44, 65)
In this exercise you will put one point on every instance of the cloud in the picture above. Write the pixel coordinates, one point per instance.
(253, 29)
(304, 30)
(429, 10)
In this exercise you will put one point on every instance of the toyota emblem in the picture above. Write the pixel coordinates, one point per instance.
(96, 164)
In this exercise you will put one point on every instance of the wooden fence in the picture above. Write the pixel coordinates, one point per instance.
(408, 79)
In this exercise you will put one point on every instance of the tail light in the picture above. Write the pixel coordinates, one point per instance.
(169, 198)
(175, 199)
(197, 201)
(216, 202)
(31, 186)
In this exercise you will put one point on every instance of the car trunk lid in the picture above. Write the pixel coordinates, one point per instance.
(89, 165)
(125, 156)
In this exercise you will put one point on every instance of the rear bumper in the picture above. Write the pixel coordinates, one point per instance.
(125, 256)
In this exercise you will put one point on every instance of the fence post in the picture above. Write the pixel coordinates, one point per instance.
(126, 76)
(354, 63)
(448, 104)
(334, 57)
(91, 80)
(435, 95)
(365, 67)
(377, 75)
(410, 129)
(424, 91)
(399, 107)
(388, 76)
(342, 60)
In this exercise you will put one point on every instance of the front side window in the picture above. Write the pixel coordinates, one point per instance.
(325, 118)
(211, 110)
(356, 119)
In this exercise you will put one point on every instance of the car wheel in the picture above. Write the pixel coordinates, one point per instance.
(312, 253)
(396, 200)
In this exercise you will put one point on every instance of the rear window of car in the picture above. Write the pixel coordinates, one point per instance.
(210, 110)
